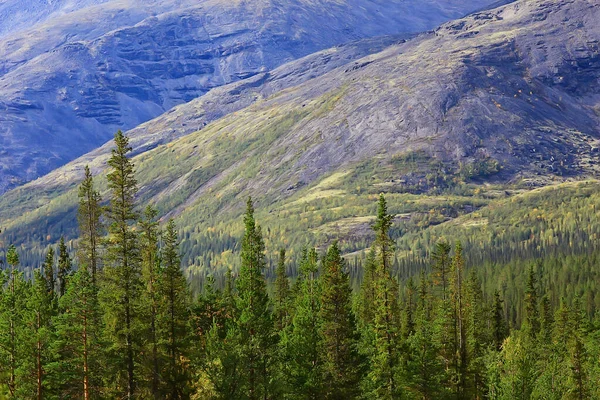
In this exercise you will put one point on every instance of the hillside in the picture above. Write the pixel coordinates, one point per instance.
(72, 73)
(505, 97)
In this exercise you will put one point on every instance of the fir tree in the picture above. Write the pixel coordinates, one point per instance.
(35, 340)
(78, 370)
(302, 340)
(499, 328)
(14, 295)
(90, 227)
(49, 274)
(282, 293)
(150, 275)
(64, 266)
(424, 365)
(383, 377)
(121, 281)
(338, 330)
(174, 316)
(441, 266)
(256, 338)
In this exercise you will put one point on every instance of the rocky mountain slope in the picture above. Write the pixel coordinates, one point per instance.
(84, 68)
(508, 96)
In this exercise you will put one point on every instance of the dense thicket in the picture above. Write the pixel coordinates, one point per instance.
(121, 321)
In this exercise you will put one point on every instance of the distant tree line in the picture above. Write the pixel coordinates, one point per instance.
(118, 320)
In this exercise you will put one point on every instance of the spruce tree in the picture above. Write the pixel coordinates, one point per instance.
(301, 341)
(35, 340)
(425, 368)
(64, 266)
(441, 266)
(383, 379)
(77, 371)
(499, 328)
(13, 307)
(151, 299)
(90, 227)
(460, 362)
(49, 274)
(282, 293)
(175, 313)
(341, 363)
(255, 324)
(121, 281)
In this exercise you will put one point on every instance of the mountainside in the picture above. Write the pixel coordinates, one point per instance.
(88, 68)
(507, 96)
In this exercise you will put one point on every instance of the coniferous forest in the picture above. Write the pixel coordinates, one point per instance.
(117, 319)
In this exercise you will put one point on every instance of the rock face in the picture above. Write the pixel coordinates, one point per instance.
(85, 68)
(517, 85)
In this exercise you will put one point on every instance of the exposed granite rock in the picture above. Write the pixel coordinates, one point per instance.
(87, 68)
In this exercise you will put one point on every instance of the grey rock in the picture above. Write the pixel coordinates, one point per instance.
(84, 69)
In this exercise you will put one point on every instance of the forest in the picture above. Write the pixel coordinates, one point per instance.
(118, 319)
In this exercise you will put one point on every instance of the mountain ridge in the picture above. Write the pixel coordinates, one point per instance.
(68, 83)
(499, 102)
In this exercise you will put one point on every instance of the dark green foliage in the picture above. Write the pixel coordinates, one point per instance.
(341, 362)
(174, 316)
(256, 337)
(79, 364)
(121, 283)
(90, 227)
(422, 326)
(64, 266)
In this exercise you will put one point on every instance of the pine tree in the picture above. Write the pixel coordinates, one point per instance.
(256, 338)
(366, 298)
(35, 339)
(64, 266)
(441, 266)
(90, 227)
(425, 369)
(77, 371)
(532, 321)
(460, 362)
(11, 321)
(175, 313)
(121, 281)
(338, 330)
(150, 275)
(383, 379)
(282, 293)
(477, 336)
(49, 276)
(499, 328)
(301, 342)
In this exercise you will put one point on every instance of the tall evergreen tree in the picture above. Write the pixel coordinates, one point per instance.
(35, 340)
(174, 316)
(282, 293)
(425, 368)
(383, 379)
(12, 314)
(78, 370)
(64, 266)
(302, 340)
(499, 328)
(151, 296)
(122, 284)
(90, 227)
(49, 273)
(255, 324)
(460, 329)
(338, 330)
(441, 266)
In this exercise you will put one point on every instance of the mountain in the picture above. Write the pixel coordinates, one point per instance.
(481, 108)
(73, 72)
